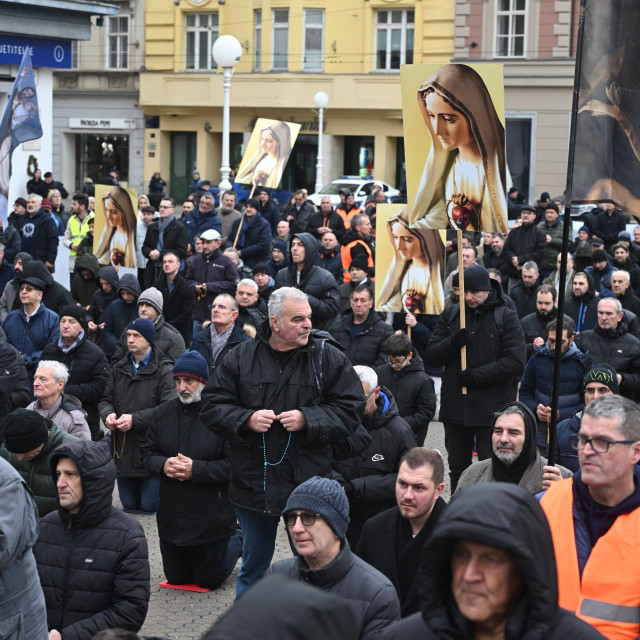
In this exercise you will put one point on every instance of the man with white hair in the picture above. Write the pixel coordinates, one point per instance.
(281, 400)
(39, 232)
(621, 286)
(65, 411)
(251, 309)
(191, 462)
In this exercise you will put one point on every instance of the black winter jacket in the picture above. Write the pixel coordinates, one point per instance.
(317, 283)
(177, 304)
(10, 361)
(524, 299)
(44, 245)
(176, 237)
(378, 546)
(535, 326)
(120, 313)
(88, 376)
(301, 220)
(195, 511)
(370, 594)
(414, 391)
(101, 300)
(138, 395)
(370, 478)
(82, 290)
(93, 566)
(253, 376)
(526, 243)
(617, 348)
(504, 516)
(333, 220)
(202, 344)
(365, 348)
(495, 361)
(256, 244)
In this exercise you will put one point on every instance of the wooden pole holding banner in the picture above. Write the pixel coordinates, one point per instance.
(568, 195)
(463, 322)
(242, 218)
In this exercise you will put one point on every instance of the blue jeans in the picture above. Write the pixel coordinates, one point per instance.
(196, 330)
(140, 495)
(258, 546)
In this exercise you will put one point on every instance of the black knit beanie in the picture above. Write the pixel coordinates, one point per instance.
(24, 431)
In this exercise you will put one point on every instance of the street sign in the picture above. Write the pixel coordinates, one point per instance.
(45, 52)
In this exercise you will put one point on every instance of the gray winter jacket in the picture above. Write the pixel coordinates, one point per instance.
(372, 596)
(67, 414)
(22, 609)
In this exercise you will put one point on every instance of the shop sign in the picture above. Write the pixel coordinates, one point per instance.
(45, 52)
(102, 123)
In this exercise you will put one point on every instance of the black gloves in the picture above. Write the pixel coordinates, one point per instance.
(459, 338)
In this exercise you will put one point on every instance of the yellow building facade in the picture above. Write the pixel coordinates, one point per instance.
(350, 49)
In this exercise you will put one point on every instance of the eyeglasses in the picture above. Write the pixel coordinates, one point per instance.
(599, 445)
(395, 363)
(162, 206)
(306, 518)
(27, 287)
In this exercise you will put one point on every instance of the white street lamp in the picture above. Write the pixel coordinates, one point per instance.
(227, 52)
(322, 100)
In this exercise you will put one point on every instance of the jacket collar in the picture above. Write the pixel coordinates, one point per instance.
(332, 573)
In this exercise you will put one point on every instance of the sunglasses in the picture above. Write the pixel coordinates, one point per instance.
(306, 518)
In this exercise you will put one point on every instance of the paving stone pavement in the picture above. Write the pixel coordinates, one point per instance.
(181, 615)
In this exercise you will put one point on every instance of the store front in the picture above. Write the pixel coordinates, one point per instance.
(97, 154)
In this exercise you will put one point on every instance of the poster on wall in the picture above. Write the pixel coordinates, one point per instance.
(267, 153)
(410, 264)
(114, 232)
(455, 146)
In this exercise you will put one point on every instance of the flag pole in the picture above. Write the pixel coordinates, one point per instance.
(463, 323)
(568, 195)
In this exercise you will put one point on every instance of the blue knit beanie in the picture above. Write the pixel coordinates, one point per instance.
(191, 365)
(324, 497)
(144, 327)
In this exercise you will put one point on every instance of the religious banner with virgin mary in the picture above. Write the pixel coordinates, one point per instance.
(455, 146)
(267, 153)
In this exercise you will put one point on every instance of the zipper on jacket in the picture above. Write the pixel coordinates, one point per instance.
(65, 589)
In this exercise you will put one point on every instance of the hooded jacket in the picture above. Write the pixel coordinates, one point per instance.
(370, 595)
(537, 383)
(617, 348)
(93, 565)
(195, 511)
(414, 392)
(254, 376)
(506, 517)
(317, 283)
(583, 310)
(101, 300)
(120, 313)
(22, 607)
(526, 470)
(279, 608)
(495, 361)
(138, 395)
(364, 348)
(55, 296)
(82, 290)
(37, 472)
(370, 478)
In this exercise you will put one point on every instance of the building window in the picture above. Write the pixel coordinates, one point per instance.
(280, 40)
(257, 39)
(75, 47)
(118, 42)
(202, 31)
(510, 28)
(394, 38)
(313, 39)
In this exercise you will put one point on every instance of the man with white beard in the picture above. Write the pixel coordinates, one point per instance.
(194, 471)
(515, 456)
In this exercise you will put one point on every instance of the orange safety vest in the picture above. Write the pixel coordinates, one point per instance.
(345, 252)
(346, 217)
(608, 596)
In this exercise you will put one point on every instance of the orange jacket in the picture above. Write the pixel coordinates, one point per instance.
(345, 252)
(608, 596)
(346, 217)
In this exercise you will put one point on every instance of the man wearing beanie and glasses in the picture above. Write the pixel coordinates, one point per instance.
(29, 442)
(167, 340)
(191, 462)
(496, 357)
(140, 381)
(317, 517)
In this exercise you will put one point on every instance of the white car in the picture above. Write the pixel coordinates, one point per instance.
(359, 187)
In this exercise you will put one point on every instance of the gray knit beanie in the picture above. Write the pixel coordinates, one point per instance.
(324, 497)
(153, 297)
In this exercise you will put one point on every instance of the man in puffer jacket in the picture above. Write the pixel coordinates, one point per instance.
(22, 607)
(92, 558)
(369, 479)
(503, 529)
(120, 312)
(537, 380)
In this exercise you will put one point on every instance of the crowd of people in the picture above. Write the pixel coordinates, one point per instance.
(242, 378)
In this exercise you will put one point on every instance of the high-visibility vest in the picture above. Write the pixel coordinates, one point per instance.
(78, 230)
(345, 252)
(608, 595)
(346, 217)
